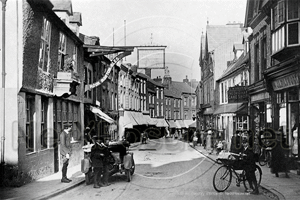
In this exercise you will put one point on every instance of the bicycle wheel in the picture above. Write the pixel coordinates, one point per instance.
(222, 178)
(258, 174)
(262, 158)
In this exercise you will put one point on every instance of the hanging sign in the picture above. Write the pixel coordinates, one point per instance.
(237, 94)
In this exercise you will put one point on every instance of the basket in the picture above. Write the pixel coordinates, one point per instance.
(236, 164)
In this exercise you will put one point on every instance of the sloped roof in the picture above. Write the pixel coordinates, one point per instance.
(62, 5)
(172, 92)
(236, 65)
(220, 34)
(149, 79)
(182, 87)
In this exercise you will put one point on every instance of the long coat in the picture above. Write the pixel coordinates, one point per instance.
(97, 155)
(249, 160)
(279, 158)
(65, 143)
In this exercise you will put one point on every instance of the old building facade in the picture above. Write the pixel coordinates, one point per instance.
(48, 93)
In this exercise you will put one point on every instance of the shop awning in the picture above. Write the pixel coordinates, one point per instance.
(161, 123)
(101, 114)
(149, 120)
(129, 121)
(181, 124)
(139, 118)
(193, 125)
(229, 108)
(177, 124)
(188, 122)
(172, 123)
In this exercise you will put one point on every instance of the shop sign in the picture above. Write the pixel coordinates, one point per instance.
(259, 97)
(237, 94)
(286, 82)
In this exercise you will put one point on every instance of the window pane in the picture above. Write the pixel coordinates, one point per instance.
(293, 31)
(29, 124)
(293, 7)
(281, 12)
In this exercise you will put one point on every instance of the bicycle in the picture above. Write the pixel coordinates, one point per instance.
(265, 157)
(223, 175)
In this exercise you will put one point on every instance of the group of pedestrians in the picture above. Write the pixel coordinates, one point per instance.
(99, 155)
(209, 141)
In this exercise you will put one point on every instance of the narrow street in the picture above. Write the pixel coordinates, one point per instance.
(165, 169)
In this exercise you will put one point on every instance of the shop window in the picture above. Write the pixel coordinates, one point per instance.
(44, 130)
(30, 110)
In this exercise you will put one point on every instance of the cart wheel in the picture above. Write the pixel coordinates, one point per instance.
(132, 168)
(222, 178)
(128, 175)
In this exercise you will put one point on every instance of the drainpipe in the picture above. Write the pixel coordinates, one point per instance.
(3, 86)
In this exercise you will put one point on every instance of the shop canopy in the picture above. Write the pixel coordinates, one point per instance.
(181, 124)
(129, 121)
(161, 123)
(193, 125)
(188, 122)
(231, 108)
(172, 123)
(139, 118)
(101, 114)
(150, 120)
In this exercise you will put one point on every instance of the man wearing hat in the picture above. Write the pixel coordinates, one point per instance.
(87, 136)
(65, 151)
(98, 154)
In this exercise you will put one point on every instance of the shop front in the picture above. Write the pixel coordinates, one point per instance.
(229, 118)
(260, 112)
(208, 119)
(283, 84)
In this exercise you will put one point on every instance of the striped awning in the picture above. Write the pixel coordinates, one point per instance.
(161, 123)
(101, 114)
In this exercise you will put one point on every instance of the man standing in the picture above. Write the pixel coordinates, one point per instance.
(65, 151)
(98, 156)
(87, 136)
(249, 165)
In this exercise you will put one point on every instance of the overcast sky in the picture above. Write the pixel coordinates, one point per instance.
(178, 24)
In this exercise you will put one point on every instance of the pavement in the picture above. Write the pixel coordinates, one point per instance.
(280, 188)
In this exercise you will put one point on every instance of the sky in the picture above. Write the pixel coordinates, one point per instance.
(177, 24)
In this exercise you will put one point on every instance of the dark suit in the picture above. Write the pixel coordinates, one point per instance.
(250, 167)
